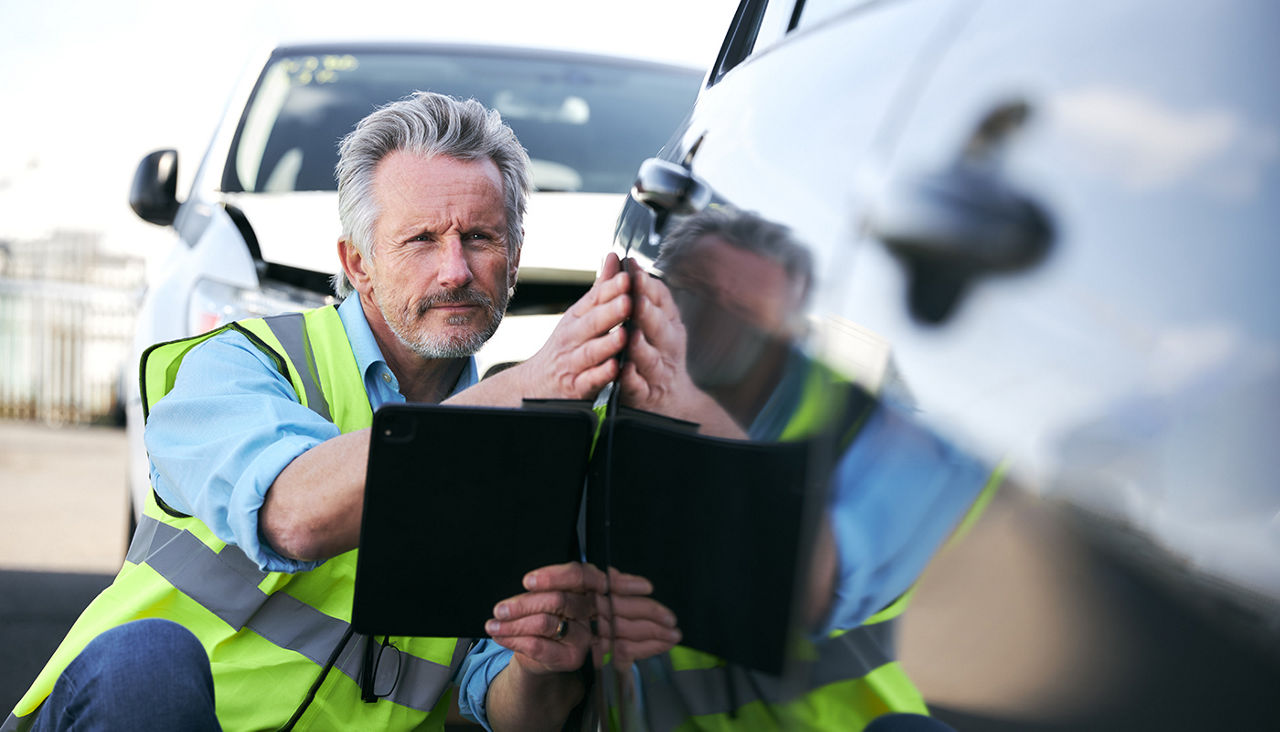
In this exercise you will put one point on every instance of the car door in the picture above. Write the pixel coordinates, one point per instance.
(1129, 369)
(779, 149)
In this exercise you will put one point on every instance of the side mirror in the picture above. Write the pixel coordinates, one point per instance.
(669, 188)
(154, 196)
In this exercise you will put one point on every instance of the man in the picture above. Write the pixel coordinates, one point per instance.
(258, 436)
(726, 321)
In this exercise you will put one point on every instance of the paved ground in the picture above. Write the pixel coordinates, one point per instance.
(1022, 626)
(63, 491)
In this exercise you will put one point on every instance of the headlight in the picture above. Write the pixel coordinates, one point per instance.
(214, 303)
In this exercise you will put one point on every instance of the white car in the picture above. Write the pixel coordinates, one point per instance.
(257, 233)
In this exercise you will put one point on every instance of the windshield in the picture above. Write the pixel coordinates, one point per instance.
(586, 124)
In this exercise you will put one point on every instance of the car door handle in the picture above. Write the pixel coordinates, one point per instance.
(952, 226)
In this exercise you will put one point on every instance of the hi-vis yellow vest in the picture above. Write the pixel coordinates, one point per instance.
(268, 634)
(841, 683)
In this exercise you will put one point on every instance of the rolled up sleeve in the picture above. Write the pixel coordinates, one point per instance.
(481, 666)
(898, 492)
(218, 440)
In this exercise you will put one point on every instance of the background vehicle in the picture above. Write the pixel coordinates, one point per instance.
(257, 233)
(1060, 221)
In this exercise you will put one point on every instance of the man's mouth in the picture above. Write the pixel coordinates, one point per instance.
(453, 303)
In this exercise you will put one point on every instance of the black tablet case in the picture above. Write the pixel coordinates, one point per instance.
(460, 503)
(718, 526)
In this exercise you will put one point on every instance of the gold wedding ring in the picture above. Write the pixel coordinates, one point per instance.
(561, 630)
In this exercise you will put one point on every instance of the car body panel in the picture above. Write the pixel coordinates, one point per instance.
(1132, 373)
(1138, 359)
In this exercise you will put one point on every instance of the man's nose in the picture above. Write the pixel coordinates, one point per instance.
(454, 271)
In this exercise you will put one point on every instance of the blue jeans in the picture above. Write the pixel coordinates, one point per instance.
(146, 675)
(903, 722)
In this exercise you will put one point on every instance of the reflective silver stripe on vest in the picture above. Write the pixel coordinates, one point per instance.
(672, 697)
(19, 724)
(291, 330)
(226, 584)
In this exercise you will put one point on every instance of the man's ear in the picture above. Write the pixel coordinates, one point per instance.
(513, 266)
(353, 263)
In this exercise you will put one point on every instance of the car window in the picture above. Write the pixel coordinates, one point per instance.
(741, 38)
(587, 124)
(760, 24)
(813, 12)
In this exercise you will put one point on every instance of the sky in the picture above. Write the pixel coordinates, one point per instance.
(90, 87)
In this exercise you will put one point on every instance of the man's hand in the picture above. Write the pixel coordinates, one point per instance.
(550, 626)
(579, 358)
(630, 625)
(550, 629)
(656, 377)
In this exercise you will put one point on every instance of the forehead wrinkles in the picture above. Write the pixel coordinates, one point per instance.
(440, 193)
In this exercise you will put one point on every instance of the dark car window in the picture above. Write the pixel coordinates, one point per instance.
(741, 38)
(586, 124)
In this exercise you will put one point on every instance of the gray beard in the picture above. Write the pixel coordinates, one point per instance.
(435, 346)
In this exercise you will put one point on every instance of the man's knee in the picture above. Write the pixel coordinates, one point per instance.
(152, 666)
(146, 654)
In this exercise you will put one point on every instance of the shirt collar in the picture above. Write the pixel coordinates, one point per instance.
(369, 356)
(785, 399)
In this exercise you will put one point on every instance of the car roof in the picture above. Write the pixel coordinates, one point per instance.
(475, 49)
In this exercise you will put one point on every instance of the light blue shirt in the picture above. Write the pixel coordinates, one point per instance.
(896, 494)
(232, 422)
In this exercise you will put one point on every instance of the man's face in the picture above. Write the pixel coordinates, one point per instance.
(734, 304)
(440, 270)
(750, 286)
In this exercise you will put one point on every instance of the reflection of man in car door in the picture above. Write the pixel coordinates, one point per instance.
(240, 576)
(735, 293)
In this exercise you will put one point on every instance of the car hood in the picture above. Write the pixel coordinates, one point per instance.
(566, 234)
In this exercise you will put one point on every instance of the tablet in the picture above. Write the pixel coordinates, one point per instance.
(460, 503)
(721, 528)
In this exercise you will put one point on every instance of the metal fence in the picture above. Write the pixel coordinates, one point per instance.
(67, 312)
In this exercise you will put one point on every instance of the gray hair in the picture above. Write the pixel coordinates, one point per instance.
(742, 230)
(425, 124)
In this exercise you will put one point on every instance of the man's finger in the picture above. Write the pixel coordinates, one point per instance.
(621, 583)
(570, 576)
(610, 267)
(570, 605)
(605, 315)
(600, 349)
(651, 287)
(541, 625)
(589, 383)
(662, 326)
(602, 291)
(533, 603)
(643, 353)
(634, 385)
(629, 629)
(637, 608)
